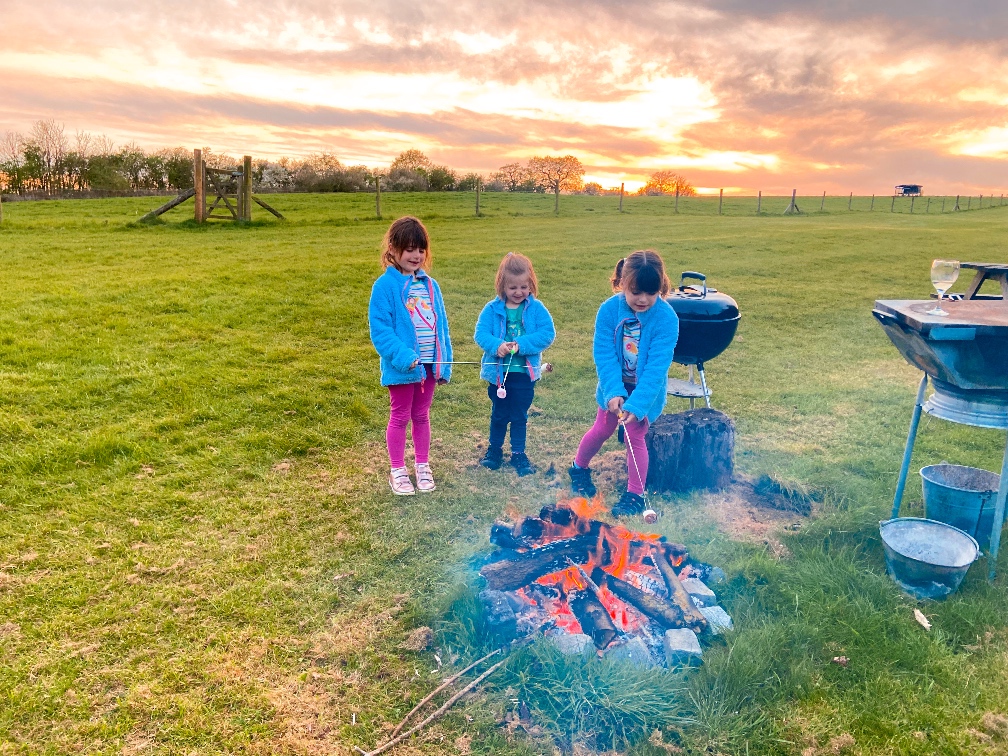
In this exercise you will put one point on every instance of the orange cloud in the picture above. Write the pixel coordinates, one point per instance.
(772, 97)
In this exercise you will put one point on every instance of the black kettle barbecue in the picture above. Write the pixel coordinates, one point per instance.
(708, 320)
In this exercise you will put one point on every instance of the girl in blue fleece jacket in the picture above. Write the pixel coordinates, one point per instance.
(513, 330)
(635, 336)
(409, 330)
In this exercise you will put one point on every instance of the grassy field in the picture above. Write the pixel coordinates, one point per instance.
(199, 552)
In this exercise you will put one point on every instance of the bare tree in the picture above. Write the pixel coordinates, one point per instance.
(512, 175)
(557, 174)
(12, 161)
(51, 145)
(410, 160)
(668, 182)
(102, 146)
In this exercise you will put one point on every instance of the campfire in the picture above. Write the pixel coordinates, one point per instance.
(595, 586)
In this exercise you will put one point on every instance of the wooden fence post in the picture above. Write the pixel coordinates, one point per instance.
(477, 196)
(928, 208)
(621, 196)
(822, 205)
(912, 198)
(199, 185)
(957, 209)
(793, 209)
(677, 200)
(247, 188)
(892, 207)
(720, 201)
(850, 201)
(969, 202)
(377, 186)
(759, 201)
(872, 208)
(980, 205)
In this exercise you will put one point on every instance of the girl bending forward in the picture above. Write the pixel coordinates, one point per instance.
(513, 330)
(409, 330)
(635, 336)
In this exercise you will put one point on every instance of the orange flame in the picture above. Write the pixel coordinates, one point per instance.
(582, 507)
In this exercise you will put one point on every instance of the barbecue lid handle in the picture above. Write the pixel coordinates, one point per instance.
(693, 274)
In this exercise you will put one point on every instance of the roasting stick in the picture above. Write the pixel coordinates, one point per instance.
(584, 575)
(547, 367)
(648, 514)
(439, 688)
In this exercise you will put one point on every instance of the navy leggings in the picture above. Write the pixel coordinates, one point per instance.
(511, 409)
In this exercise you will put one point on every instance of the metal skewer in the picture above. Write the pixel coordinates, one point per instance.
(649, 515)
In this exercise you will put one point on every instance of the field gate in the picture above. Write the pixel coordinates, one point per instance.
(226, 191)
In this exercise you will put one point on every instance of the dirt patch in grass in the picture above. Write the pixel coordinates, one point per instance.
(744, 514)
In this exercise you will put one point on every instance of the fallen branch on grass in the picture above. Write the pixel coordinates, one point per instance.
(436, 715)
(438, 689)
(398, 738)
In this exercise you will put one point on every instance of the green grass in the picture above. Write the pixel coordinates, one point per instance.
(199, 553)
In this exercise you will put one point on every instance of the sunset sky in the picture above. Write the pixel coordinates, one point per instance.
(748, 96)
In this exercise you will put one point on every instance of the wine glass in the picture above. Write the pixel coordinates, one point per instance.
(943, 274)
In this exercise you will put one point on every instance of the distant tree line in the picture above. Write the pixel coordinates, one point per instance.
(48, 162)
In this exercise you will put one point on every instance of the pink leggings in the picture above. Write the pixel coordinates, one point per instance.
(598, 434)
(410, 401)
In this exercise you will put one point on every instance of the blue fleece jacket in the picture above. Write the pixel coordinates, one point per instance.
(491, 332)
(392, 331)
(659, 334)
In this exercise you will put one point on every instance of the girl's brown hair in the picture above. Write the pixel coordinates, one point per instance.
(641, 271)
(515, 265)
(402, 234)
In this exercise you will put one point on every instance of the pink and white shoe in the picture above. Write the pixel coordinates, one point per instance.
(424, 478)
(400, 482)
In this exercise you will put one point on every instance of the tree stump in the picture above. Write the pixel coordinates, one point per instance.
(689, 450)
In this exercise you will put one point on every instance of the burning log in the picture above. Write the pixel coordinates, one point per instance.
(502, 535)
(691, 615)
(594, 618)
(654, 607)
(524, 568)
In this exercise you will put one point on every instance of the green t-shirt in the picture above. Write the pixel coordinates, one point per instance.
(515, 364)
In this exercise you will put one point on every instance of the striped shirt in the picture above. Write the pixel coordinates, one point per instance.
(424, 321)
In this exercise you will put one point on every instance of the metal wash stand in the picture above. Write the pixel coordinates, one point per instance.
(965, 357)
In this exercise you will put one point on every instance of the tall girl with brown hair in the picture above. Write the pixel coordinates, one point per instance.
(409, 330)
(635, 336)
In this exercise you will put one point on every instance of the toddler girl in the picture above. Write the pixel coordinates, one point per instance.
(409, 330)
(635, 336)
(513, 330)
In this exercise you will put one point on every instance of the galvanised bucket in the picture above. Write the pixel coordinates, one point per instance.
(961, 496)
(926, 558)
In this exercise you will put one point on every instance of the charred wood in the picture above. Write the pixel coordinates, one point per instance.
(528, 566)
(653, 607)
(502, 534)
(677, 594)
(594, 618)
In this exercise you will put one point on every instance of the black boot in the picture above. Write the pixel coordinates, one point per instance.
(581, 482)
(628, 505)
(521, 463)
(493, 458)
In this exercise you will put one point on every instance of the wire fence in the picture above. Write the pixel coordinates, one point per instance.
(760, 204)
